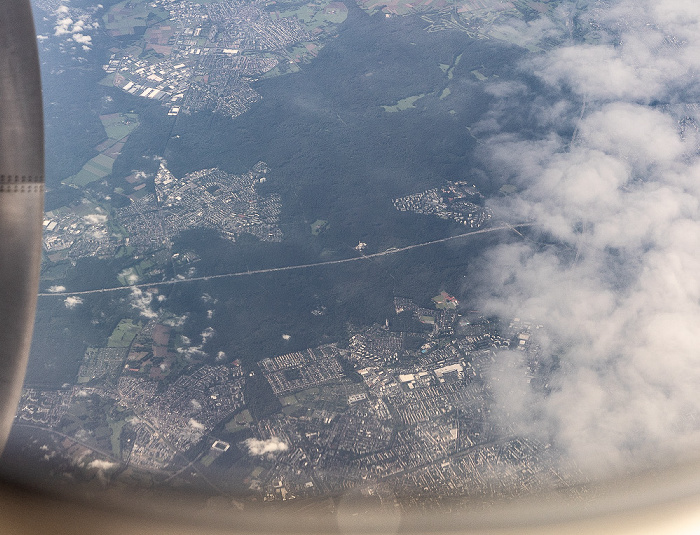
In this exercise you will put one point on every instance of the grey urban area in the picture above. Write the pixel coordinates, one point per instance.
(388, 411)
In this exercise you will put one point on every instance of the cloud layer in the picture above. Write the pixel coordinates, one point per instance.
(620, 294)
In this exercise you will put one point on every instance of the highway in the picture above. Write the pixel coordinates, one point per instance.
(390, 251)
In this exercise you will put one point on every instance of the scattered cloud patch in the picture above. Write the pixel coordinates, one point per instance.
(262, 447)
(175, 321)
(129, 276)
(141, 301)
(195, 424)
(73, 301)
(98, 464)
(207, 334)
(82, 39)
(74, 25)
(56, 289)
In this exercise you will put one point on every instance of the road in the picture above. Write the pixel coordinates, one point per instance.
(392, 250)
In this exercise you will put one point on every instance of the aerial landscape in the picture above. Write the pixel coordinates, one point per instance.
(433, 251)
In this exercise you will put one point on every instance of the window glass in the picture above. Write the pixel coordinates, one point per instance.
(430, 251)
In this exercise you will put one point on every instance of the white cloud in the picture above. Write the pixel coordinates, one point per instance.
(129, 275)
(63, 26)
(195, 424)
(195, 351)
(102, 465)
(176, 321)
(82, 39)
(207, 334)
(56, 289)
(72, 301)
(141, 301)
(75, 25)
(261, 447)
(620, 297)
(95, 219)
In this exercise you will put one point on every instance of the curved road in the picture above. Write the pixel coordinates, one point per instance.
(392, 250)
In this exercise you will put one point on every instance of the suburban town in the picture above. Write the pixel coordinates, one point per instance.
(206, 199)
(453, 201)
(203, 57)
(409, 412)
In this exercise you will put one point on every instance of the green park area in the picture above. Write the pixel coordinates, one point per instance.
(124, 333)
(242, 420)
(116, 426)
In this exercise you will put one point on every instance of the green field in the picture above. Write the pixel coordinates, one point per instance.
(82, 178)
(116, 426)
(242, 420)
(450, 70)
(318, 14)
(403, 104)
(119, 125)
(124, 333)
(288, 400)
(309, 394)
(124, 17)
(208, 458)
(319, 226)
(445, 301)
(95, 169)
